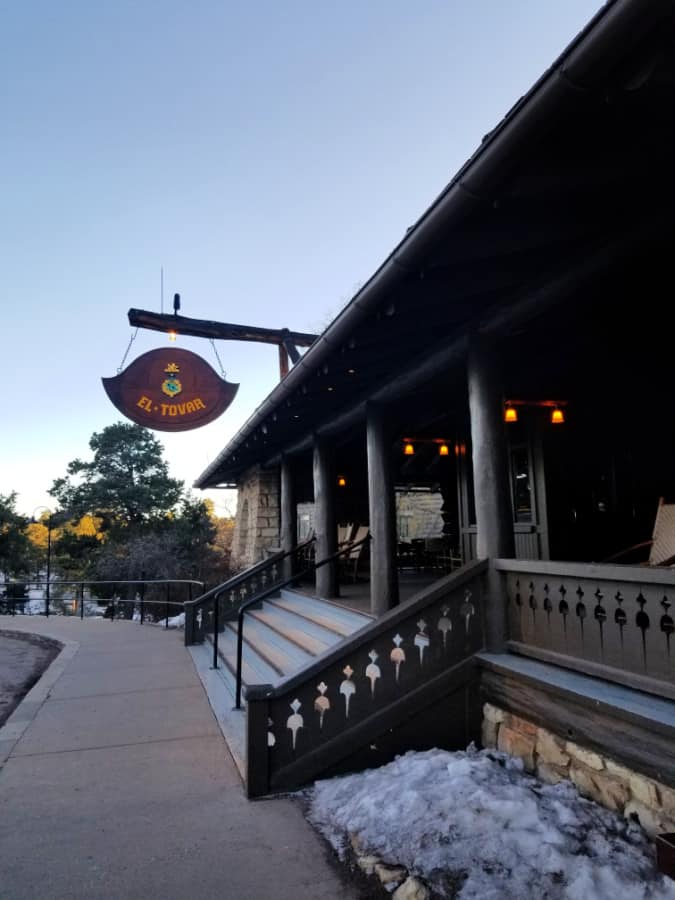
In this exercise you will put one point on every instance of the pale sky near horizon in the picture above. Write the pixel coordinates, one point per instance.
(268, 155)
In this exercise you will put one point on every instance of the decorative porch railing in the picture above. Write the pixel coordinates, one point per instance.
(208, 613)
(362, 687)
(613, 622)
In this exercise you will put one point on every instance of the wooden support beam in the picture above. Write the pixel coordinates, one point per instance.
(223, 331)
(289, 512)
(283, 362)
(382, 513)
(286, 340)
(325, 525)
(494, 516)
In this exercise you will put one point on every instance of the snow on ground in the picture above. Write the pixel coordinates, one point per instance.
(174, 621)
(475, 815)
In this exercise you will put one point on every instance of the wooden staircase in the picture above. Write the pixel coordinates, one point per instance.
(281, 636)
(326, 688)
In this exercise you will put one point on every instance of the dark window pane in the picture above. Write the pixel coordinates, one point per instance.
(522, 489)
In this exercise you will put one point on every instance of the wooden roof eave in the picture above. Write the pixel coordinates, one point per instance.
(598, 48)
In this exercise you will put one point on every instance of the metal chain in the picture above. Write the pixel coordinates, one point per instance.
(222, 370)
(131, 340)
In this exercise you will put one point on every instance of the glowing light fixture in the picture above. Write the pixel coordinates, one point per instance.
(408, 449)
(172, 337)
(443, 450)
(510, 414)
(342, 481)
(557, 416)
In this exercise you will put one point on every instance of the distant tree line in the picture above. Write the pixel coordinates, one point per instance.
(118, 516)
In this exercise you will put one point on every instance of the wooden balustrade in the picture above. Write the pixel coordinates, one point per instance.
(614, 622)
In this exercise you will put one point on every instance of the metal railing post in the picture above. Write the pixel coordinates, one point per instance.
(189, 618)
(168, 595)
(82, 600)
(142, 592)
(240, 649)
(216, 604)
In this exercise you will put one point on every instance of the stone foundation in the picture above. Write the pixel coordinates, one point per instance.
(553, 758)
(257, 521)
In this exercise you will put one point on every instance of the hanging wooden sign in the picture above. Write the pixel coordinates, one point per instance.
(170, 390)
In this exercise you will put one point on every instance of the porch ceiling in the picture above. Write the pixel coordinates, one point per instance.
(570, 191)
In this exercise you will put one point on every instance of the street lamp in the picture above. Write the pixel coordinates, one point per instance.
(49, 552)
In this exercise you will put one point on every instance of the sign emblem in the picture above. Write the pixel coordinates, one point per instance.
(171, 386)
(151, 393)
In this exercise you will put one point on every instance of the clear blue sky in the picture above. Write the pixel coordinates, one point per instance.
(269, 155)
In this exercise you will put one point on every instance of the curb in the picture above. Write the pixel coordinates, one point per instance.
(15, 726)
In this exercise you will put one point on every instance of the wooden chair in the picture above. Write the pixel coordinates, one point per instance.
(344, 533)
(662, 543)
(350, 561)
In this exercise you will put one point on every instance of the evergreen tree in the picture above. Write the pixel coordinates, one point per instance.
(126, 485)
(15, 549)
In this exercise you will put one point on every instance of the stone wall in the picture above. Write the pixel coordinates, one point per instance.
(257, 521)
(553, 758)
(418, 515)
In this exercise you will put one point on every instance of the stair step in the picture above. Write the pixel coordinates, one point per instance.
(282, 636)
(311, 638)
(301, 623)
(255, 669)
(249, 675)
(319, 613)
(351, 617)
(257, 636)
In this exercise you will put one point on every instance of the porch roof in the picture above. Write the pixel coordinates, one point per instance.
(574, 180)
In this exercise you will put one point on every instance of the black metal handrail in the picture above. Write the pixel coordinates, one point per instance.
(142, 583)
(267, 592)
(214, 595)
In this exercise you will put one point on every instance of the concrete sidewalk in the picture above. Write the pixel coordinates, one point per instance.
(118, 784)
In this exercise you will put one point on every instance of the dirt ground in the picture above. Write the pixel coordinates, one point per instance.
(23, 658)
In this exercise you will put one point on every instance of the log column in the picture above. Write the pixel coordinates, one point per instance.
(325, 526)
(382, 513)
(289, 514)
(494, 516)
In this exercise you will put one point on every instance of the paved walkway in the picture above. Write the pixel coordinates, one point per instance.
(117, 784)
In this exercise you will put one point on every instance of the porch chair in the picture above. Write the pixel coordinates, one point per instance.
(662, 543)
(350, 561)
(344, 533)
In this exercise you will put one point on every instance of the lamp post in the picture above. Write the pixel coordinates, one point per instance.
(49, 552)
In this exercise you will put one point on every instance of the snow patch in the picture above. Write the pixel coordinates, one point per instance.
(475, 819)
